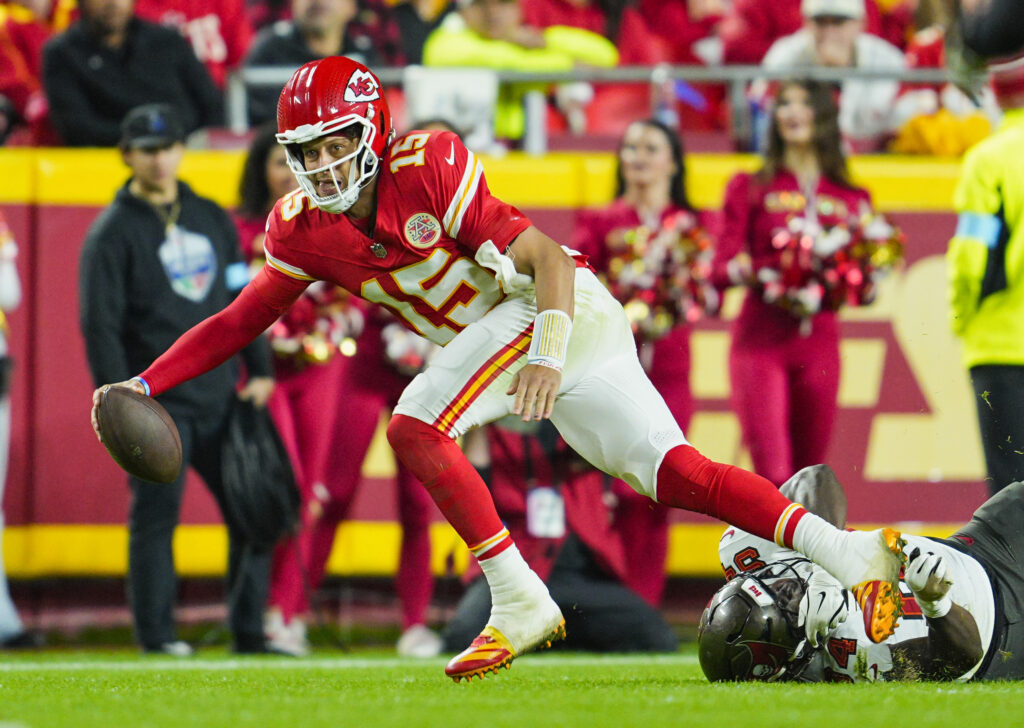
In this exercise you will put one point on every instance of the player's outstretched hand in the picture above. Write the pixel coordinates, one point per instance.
(929, 577)
(823, 607)
(535, 387)
(133, 384)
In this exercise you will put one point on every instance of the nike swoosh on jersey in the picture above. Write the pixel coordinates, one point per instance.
(451, 156)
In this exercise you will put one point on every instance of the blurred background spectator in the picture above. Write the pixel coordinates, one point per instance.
(416, 20)
(492, 34)
(218, 30)
(650, 212)
(12, 633)
(559, 512)
(784, 359)
(156, 261)
(986, 289)
(262, 13)
(318, 28)
(750, 27)
(938, 119)
(25, 27)
(109, 62)
(833, 36)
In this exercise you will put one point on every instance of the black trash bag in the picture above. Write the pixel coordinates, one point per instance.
(259, 485)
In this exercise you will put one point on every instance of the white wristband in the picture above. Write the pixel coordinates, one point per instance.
(551, 331)
(936, 609)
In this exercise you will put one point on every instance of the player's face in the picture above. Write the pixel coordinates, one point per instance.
(646, 156)
(795, 116)
(280, 180)
(321, 153)
(155, 170)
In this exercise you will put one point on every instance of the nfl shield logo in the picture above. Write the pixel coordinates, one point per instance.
(422, 230)
(190, 263)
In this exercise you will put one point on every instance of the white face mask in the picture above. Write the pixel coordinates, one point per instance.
(362, 168)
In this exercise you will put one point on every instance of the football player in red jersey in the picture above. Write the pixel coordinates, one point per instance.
(410, 224)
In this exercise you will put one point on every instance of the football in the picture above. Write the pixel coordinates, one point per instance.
(140, 435)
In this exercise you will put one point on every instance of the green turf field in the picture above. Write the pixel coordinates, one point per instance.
(113, 689)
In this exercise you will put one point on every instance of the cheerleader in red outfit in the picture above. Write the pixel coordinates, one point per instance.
(327, 450)
(784, 366)
(650, 201)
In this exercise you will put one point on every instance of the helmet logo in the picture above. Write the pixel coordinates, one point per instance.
(422, 230)
(361, 87)
(766, 659)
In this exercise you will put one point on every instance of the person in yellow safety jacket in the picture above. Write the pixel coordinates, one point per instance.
(985, 263)
(491, 34)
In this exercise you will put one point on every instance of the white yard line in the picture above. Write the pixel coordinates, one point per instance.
(333, 663)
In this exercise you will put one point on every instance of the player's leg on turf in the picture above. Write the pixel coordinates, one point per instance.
(463, 387)
(613, 416)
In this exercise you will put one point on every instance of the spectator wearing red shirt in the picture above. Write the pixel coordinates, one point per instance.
(24, 29)
(751, 27)
(613, 19)
(681, 24)
(784, 368)
(218, 30)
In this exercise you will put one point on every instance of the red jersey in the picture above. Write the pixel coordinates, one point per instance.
(430, 256)
(434, 212)
(218, 30)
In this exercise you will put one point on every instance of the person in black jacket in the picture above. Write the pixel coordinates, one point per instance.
(319, 28)
(155, 262)
(109, 62)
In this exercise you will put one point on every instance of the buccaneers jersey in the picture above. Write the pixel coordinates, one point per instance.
(430, 254)
(848, 655)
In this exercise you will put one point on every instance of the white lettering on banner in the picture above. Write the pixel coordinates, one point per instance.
(473, 289)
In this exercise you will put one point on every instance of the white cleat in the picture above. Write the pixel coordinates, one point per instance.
(529, 620)
(419, 641)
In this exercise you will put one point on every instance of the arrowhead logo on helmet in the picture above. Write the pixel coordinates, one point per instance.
(361, 87)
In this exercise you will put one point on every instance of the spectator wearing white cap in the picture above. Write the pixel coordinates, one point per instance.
(833, 36)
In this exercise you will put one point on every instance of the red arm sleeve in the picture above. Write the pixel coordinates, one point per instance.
(213, 341)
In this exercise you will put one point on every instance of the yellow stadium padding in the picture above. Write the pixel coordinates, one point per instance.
(361, 548)
(90, 177)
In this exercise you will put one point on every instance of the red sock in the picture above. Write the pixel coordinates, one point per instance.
(687, 479)
(457, 489)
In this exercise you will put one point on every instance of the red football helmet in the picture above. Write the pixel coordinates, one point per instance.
(320, 99)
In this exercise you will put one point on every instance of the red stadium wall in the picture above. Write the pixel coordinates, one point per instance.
(905, 445)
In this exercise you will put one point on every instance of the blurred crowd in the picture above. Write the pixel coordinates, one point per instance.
(71, 69)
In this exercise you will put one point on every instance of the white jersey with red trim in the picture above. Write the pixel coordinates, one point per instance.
(849, 655)
(433, 253)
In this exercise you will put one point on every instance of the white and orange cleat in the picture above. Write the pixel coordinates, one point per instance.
(531, 622)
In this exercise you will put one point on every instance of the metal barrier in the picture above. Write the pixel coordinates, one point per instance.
(535, 140)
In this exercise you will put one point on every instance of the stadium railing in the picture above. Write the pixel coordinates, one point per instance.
(736, 78)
